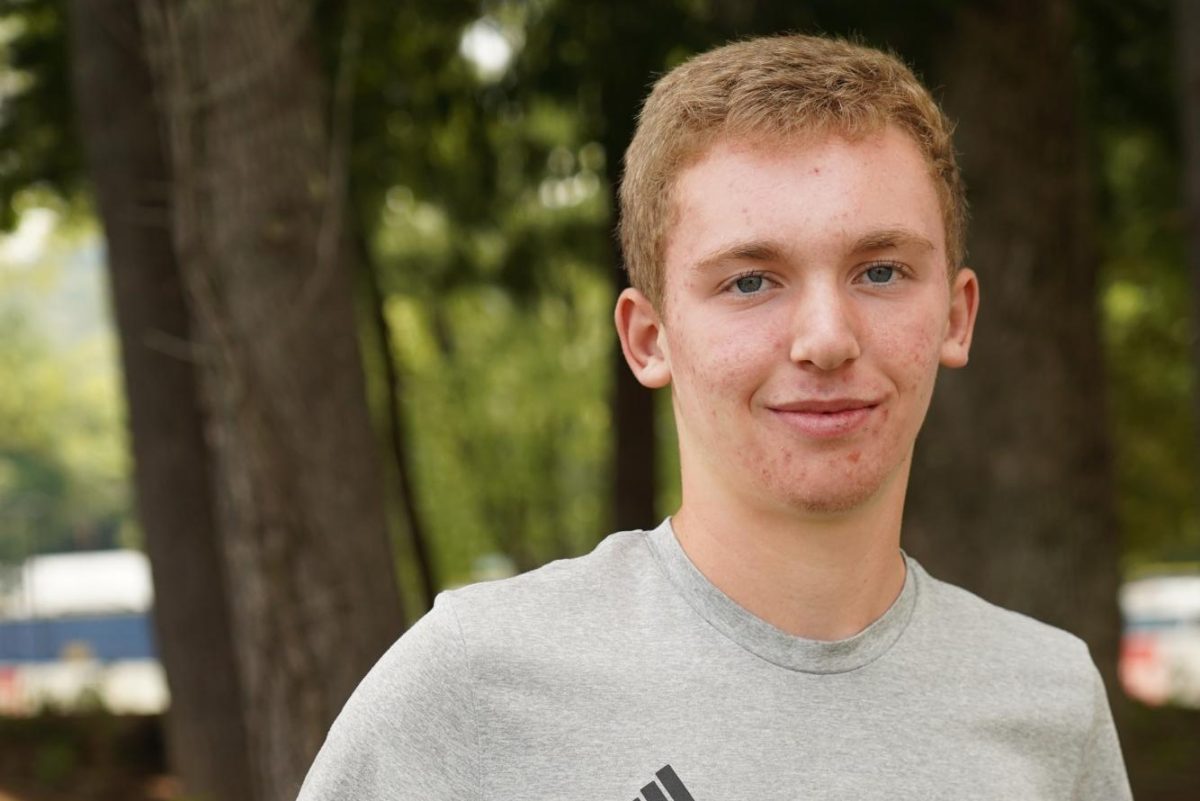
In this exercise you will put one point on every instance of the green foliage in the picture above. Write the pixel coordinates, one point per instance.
(1148, 330)
(1127, 67)
(484, 197)
(508, 413)
(63, 463)
(488, 201)
(1127, 71)
(38, 141)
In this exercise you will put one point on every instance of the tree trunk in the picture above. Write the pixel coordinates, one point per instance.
(172, 463)
(635, 447)
(258, 207)
(398, 438)
(1187, 49)
(1012, 495)
(622, 88)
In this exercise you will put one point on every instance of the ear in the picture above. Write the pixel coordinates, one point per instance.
(643, 339)
(964, 305)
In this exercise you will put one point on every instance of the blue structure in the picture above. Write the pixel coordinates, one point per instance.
(107, 637)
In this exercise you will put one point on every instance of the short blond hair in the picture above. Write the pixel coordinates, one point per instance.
(773, 87)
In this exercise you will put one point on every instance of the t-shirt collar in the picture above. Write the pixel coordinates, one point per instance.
(769, 642)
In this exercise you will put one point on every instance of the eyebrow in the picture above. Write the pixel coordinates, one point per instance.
(767, 250)
(760, 250)
(889, 239)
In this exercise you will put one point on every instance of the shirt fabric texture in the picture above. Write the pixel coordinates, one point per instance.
(626, 674)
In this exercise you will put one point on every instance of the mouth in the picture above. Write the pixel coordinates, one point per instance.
(825, 419)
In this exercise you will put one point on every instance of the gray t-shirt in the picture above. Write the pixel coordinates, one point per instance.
(626, 674)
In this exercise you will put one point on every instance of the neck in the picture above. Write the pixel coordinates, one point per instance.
(818, 576)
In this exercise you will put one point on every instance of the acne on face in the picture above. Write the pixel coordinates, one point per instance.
(807, 217)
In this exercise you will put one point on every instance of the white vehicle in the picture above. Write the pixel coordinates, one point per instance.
(75, 628)
(1160, 649)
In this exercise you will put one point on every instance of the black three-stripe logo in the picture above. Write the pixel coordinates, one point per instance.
(671, 783)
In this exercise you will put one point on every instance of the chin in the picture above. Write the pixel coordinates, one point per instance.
(831, 500)
(828, 505)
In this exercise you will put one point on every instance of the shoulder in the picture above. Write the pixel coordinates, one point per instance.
(612, 570)
(1017, 678)
(548, 621)
(409, 729)
(988, 637)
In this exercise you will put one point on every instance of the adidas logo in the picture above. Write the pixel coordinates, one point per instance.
(675, 791)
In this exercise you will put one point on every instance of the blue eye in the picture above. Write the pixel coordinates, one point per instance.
(880, 273)
(749, 284)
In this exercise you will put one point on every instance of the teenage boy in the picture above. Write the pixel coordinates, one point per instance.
(793, 221)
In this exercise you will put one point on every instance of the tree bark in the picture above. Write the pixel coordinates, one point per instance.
(1187, 49)
(172, 462)
(258, 197)
(399, 441)
(623, 84)
(635, 447)
(1012, 494)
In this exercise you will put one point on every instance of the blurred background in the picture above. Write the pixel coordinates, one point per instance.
(305, 316)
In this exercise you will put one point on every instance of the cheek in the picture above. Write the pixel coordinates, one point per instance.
(716, 364)
(914, 352)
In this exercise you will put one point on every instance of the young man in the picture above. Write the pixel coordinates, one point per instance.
(793, 221)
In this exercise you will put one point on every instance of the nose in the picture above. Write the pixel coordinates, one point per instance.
(824, 328)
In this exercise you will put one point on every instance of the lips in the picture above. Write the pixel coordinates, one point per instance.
(825, 419)
(831, 406)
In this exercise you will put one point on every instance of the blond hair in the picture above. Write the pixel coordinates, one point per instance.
(773, 87)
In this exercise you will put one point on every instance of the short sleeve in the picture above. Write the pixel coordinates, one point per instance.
(1101, 774)
(408, 731)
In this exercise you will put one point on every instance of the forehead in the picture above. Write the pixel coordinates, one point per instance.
(812, 195)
